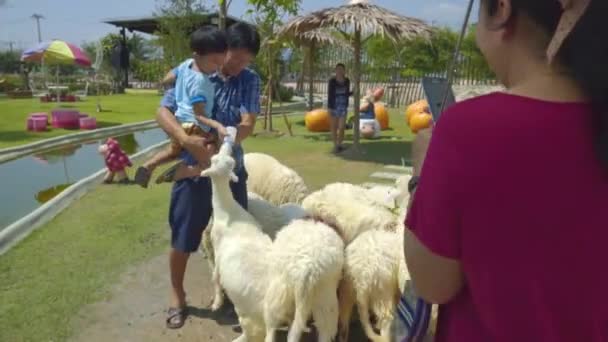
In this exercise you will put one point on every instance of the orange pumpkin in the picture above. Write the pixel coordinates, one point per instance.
(317, 120)
(417, 107)
(381, 115)
(420, 121)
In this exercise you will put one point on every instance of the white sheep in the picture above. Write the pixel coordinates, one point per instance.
(349, 208)
(269, 217)
(272, 180)
(305, 271)
(241, 251)
(284, 281)
(375, 274)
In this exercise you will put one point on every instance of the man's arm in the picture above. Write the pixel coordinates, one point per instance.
(167, 121)
(193, 144)
(250, 108)
(246, 127)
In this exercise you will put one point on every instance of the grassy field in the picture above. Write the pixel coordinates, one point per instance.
(117, 110)
(74, 260)
(135, 106)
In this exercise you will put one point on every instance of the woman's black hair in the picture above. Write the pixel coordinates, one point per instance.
(341, 65)
(584, 53)
(243, 36)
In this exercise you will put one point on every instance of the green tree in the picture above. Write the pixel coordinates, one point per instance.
(268, 15)
(177, 19)
(9, 62)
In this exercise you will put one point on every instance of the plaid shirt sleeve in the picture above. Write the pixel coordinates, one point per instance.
(250, 97)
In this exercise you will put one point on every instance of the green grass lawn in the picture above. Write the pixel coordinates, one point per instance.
(118, 109)
(74, 259)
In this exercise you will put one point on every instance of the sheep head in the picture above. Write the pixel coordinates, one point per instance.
(222, 165)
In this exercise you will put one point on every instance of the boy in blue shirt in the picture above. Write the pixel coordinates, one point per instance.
(194, 94)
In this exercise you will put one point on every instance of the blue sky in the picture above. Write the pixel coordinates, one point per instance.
(80, 20)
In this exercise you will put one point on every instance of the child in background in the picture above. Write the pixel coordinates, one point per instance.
(368, 125)
(194, 94)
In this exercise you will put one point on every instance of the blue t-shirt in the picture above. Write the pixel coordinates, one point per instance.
(193, 87)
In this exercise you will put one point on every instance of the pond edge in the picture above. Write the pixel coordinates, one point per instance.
(20, 229)
(15, 152)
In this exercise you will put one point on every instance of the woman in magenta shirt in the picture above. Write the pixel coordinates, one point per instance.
(508, 228)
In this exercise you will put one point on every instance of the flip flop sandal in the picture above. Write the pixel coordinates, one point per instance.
(142, 177)
(168, 175)
(176, 318)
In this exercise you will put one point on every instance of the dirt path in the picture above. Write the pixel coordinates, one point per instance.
(136, 308)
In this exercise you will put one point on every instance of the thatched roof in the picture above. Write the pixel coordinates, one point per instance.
(318, 37)
(369, 18)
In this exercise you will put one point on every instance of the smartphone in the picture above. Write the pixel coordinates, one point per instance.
(435, 89)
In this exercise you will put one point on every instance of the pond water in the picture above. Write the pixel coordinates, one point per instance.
(31, 181)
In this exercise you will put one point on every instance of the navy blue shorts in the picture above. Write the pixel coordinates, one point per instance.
(190, 209)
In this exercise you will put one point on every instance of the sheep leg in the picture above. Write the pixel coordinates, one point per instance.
(362, 304)
(208, 246)
(303, 302)
(384, 310)
(252, 331)
(218, 299)
(325, 313)
(278, 307)
(346, 300)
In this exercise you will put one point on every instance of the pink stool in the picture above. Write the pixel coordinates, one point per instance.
(29, 124)
(83, 115)
(39, 124)
(40, 115)
(88, 123)
(65, 119)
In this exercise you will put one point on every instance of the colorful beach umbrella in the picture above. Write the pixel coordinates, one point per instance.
(56, 52)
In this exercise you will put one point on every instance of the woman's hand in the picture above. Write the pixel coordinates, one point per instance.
(420, 146)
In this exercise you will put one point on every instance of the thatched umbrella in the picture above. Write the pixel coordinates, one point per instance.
(363, 20)
(310, 40)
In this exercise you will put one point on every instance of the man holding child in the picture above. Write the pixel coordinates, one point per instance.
(236, 104)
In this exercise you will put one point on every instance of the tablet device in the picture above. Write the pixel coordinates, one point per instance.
(434, 89)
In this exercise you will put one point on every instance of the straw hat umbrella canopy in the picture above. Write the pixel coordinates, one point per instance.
(309, 41)
(359, 20)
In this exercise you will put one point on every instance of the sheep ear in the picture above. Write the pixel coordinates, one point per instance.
(233, 177)
(205, 173)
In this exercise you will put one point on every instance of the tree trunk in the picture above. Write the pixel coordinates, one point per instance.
(311, 75)
(270, 88)
(357, 83)
(265, 93)
(300, 81)
(223, 14)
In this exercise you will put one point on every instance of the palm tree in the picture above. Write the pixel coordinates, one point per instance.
(358, 21)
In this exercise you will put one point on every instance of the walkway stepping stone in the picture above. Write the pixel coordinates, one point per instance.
(386, 175)
(404, 169)
(377, 185)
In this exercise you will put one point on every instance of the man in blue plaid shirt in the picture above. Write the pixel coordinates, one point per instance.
(237, 103)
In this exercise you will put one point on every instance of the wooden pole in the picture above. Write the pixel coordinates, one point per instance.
(270, 86)
(311, 73)
(223, 14)
(452, 64)
(357, 91)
